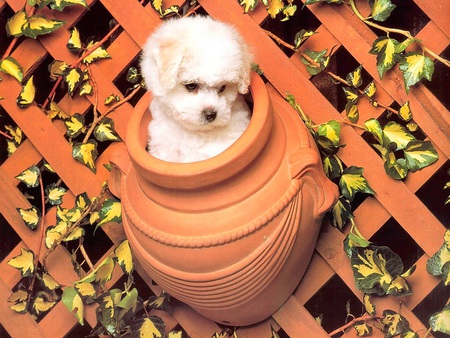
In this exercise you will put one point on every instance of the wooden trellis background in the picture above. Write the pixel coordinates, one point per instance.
(408, 216)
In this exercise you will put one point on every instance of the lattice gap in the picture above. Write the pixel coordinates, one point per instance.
(441, 80)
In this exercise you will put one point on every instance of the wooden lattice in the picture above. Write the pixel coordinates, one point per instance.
(407, 211)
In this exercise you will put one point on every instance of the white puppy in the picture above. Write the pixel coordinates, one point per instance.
(197, 70)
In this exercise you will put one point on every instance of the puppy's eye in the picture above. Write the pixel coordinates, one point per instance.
(222, 89)
(191, 86)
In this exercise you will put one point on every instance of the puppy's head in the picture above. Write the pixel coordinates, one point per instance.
(196, 67)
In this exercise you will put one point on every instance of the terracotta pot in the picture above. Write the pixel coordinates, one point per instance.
(230, 236)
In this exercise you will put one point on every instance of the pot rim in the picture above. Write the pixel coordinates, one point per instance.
(207, 172)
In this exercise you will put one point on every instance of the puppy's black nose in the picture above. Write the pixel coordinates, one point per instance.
(209, 115)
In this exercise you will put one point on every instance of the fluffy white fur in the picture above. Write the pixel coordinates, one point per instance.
(197, 70)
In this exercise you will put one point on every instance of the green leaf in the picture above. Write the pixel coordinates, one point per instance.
(374, 127)
(41, 303)
(288, 11)
(368, 305)
(74, 303)
(148, 327)
(351, 94)
(405, 112)
(15, 23)
(74, 44)
(61, 4)
(352, 112)
(409, 334)
(248, 5)
(86, 291)
(275, 7)
(82, 201)
(39, 25)
(440, 321)
(354, 78)
(370, 90)
(75, 125)
(55, 194)
(394, 323)
(132, 75)
(23, 262)
(124, 257)
(362, 329)
(352, 181)
(16, 133)
(77, 233)
(320, 61)
(26, 96)
(103, 273)
(73, 77)
(86, 88)
(30, 216)
(385, 49)
(30, 176)
(394, 132)
(55, 232)
(57, 68)
(396, 168)
(86, 153)
(98, 54)
(302, 36)
(49, 282)
(55, 111)
(420, 154)
(10, 66)
(381, 9)
(160, 302)
(436, 262)
(341, 213)
(110, 211)
(332, 165)
(157, 6)
(330, 130)
(104, 131)
(415, 67)
(110, 99)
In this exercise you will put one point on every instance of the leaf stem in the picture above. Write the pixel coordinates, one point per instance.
(349, 324)
(9, 137)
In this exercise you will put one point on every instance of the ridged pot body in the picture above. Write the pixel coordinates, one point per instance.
(230, 236)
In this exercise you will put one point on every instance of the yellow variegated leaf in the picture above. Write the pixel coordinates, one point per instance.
(111, 211)
(20, 307)
(362, 329)
(57, 68)
(26, 96)
(370, 308)
(275, 7)
(61, 4)
(15, 23)
(381, 9)
(16, 133)
(394, 132)
(86, 153)
(157, 5)
(85, 289)
(86, 88)
(30, 176)
(82, 200)
(398, 287)
(49, 282)
(75, 234)
(11, 147)
(75, 125)
(405, 112)
(175, 334)
(41, 304)
(331, 130)
(73, 301)
(104, 271)
(148, 327)
(104, 131)
(374, 127)
(10, 66)
(420, 154)
(56, 111)
(111, 98)
(352, 112)
(74, 43)
(248, 5)
(352, 181)
(54, 233)
(385, 49)
(55, 194)
(38, 25)
(124, 257)
(23, 262)
(351, 94)
(354, 78)
(94, 217)
(18, 296)
(415, 67)
(370, 90)
(30, 216)
(73, 77)
(97, 54)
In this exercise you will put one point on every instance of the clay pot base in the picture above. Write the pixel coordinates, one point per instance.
(230, 236)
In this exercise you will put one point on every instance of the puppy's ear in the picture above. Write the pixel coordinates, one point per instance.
(245, 69)
(168, 56)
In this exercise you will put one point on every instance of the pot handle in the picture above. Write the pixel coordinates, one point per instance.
(120, 166)
(305, 165)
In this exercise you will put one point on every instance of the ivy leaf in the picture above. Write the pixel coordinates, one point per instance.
(23, 262)
(77, 233)
(111, 98)
(129, 302)
(147, 327)
(26, 96)
(30, 216)
(332, 165)
(74, 303)
(57, 68)
(394, 132)
(341, 213)
(86, 153)
(98, 54)
(409, 334)
(302, 36)
(74, 44)
(124, 257)
(160, 302)
(330, 130)
(440, 321)
(405, 44)
(75, 125)
(351, 94)
(61, 4)
(103, 273)
(30, 176)
(10, 66)
(394, 323)
(248, 5)
(55, 194)
(352, 112)
(288, 11)
(55, 232)
(368, 305)
(420, 154)
(415, 67)
(381, 9)
(374, 127)
(56, 111)
(362, 329)
(320, 61)
(110, 211)
(42, 304)
(86, 88)
(132, 75)
(436, 263)
(355, 78)
(15, 23)
(385, 49)
(370, 90)
(157, 6)
(82, 201)
(275, 7)
(49, 282)
(39, 25)
(175, 334)
(396, 168)
(86, 291)
(405, 112)
(18, 296)
(399, 286)
(73, 77)
(352, 181)
(16, 133)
